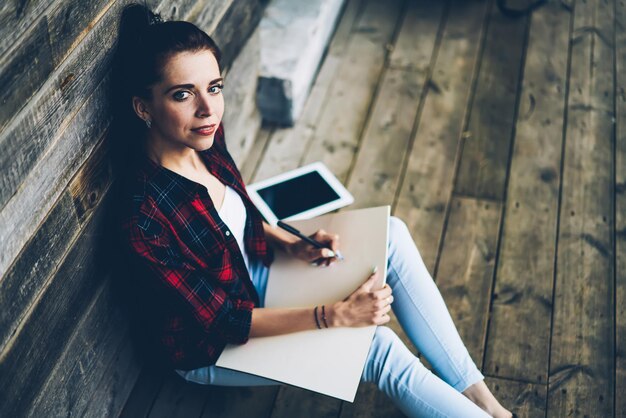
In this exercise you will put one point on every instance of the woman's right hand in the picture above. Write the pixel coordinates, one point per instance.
(367, 305)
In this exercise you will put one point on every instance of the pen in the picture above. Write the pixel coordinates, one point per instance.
(310, 240)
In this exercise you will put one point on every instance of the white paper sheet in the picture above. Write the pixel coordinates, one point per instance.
(328, 361)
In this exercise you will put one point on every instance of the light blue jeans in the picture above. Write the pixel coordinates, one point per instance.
(424, 317)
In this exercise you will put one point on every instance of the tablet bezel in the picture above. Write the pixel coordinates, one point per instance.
(345, 198)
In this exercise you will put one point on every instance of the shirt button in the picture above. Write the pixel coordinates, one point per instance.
(228, 233)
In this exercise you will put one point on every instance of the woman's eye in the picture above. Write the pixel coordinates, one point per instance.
(216, 88)
(181, 95)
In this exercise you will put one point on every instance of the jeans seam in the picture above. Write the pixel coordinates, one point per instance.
(406, 389)
(460, 375)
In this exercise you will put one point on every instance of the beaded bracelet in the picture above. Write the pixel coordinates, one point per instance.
(317, 321)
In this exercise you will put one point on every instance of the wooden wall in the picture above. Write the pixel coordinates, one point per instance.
(64, 339)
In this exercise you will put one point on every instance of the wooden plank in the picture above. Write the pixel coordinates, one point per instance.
(484, 159)
(76, 375)
(387, 136)
(466, 268)
(92, 181)
(582, 365)
(519, 331)
(370, 403)
(143, 395)
(242, 118)
(296, 402)
(288, 146)
(19, 78)
(114, 387)
(69, 21)
(235, 402)
(16, 17)
(428, 178)
(521, 398)
(48, 178)
(253, 160)
(31, 271)
(178, 398)
(234, 29)
(43, 336)
(620, 207)
(338, 131)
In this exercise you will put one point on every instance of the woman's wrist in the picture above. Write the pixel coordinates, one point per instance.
(333, 316)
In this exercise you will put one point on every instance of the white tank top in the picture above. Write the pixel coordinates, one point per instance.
(233, 213)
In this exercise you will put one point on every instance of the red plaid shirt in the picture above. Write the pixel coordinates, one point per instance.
(190, 273)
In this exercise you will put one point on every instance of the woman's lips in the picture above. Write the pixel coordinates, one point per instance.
(205, 130)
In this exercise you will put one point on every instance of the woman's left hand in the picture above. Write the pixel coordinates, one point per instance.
(320, 256)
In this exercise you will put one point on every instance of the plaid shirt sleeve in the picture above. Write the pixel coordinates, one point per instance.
(153, 245)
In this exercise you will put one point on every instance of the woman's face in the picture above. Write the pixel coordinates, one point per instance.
(187, 105)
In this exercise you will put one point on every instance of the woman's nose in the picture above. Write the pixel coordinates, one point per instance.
(204, 107)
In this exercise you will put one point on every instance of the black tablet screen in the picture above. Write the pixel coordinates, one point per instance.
(298, 194)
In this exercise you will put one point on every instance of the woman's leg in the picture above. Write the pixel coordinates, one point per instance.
(422, 312)
(412, 387)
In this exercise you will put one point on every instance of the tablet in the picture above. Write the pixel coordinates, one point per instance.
(299, 194)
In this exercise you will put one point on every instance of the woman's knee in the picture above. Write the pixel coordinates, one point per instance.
(387, 353)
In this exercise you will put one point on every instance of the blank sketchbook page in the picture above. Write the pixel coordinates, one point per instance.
(328, 361)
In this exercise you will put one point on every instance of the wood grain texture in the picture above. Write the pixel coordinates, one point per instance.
(50, 176)
(338, 133)
(387, 136)
(32, 270)
(90, 350)
(427, 181)
(370, 402)
(519, 332)
(527, 400)
(288, 146)
(620, 207)
(242, 119)
(486, 148)
(581, 379)
(466, 268)
(235, 402)
(294, 402)
(113, 389)
(43, 336)
(143, 395)
(16, 17)
(19, 78)
(235, 27)
(70, 21)
(178, 399)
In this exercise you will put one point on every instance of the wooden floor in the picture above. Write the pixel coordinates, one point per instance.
(502, 144)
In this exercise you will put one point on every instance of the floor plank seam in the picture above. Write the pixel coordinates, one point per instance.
(422, 101)
(560, 196)
(614, 214)
(375, 94)
(465, 124)
(503, 208)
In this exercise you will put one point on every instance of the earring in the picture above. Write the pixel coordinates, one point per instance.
(148, 123)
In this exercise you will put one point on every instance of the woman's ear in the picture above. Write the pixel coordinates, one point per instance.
(141, 109)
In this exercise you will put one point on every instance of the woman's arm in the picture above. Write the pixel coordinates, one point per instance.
(365, 306)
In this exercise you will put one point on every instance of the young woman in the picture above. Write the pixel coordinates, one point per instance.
(200, 251)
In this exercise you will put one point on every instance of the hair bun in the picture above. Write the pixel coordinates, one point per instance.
(136, 19)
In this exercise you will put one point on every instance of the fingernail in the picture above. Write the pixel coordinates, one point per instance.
(328, 253)
(375, 269)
